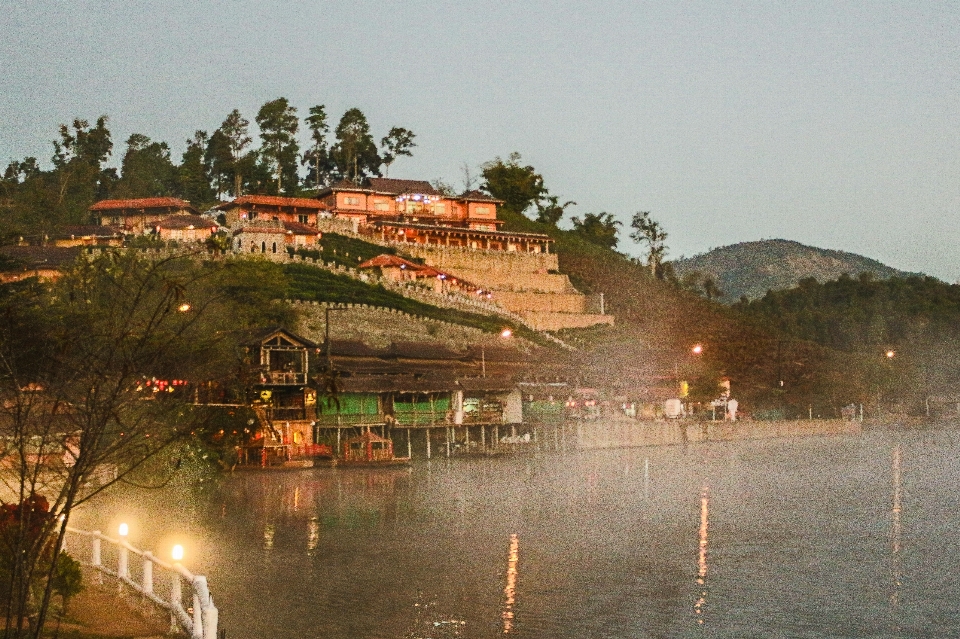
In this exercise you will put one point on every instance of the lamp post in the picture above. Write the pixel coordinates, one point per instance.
(123, 557)
(504, 334)
(326, 328)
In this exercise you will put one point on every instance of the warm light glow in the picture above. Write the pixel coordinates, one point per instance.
(510, 591)
(183, 308)
(697, 349)
(505, 333)
(890, 354)
(124, 530)
(177, 552)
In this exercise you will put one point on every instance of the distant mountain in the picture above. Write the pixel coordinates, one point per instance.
(753, 268)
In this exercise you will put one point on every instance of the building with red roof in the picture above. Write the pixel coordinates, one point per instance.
(247, 208)
(414, 211)
(135, 215)
(394, 267)
(185, 228)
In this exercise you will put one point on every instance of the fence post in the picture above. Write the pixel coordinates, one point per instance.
(147, 573)
(95, 552)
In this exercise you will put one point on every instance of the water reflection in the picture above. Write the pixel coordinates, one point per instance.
(699, 607)
(809, 543)
(511, 589)
(895, 537)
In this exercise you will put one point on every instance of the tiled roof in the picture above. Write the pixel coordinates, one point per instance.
(257, 336)
(396, 187)
(143, 203)
(497, 354)
(300, 229)
(41, 256)
(89, 230)
(272, 200)
(186, 222)
(350, 348)
(423, 350)
(490, 383)
(478, 196)
(389, 260)
(396, 383)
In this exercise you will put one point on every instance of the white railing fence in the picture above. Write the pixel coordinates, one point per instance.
(166, 592)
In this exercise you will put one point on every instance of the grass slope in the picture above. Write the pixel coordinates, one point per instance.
(311, 284)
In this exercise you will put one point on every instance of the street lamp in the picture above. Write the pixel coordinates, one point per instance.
(504, 334)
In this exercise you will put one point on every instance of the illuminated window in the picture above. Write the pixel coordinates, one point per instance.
(439, 208)
(381, 206)
(351, 201)
(481, 210)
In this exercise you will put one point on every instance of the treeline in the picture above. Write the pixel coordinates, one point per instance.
(850, 314)
(35, 200)
(899, 335)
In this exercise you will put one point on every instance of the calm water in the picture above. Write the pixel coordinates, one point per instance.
(832, 537)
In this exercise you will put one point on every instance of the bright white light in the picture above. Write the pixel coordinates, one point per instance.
(177, 552)
(505, 333)
(124, 530)
(697, 349)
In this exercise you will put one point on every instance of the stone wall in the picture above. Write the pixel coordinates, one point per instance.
(620, 433)
(554, 303)
(507, 262)
(379, 327)
(516, 282)
(546, 321)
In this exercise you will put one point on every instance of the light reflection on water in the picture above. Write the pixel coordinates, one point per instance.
(850, 536)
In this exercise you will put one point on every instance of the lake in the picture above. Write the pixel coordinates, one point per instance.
(850, 536)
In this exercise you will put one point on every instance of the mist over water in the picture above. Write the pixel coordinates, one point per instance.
(817, 537)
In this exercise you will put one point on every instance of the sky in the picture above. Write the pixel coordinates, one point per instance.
(835, 124)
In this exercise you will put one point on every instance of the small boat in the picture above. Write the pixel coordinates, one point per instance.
(370, 450)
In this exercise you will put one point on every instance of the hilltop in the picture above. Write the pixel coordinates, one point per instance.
(752, 268)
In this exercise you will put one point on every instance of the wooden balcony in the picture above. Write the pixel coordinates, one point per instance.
(339, 420)
(283, 378)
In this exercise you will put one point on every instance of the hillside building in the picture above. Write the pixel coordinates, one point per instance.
(137, 215)
(248, 208)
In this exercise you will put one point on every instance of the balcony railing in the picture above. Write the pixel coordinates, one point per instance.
(277, 378)
(335, 420)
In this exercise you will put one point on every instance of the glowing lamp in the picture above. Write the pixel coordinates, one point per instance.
(177, 552)
(505, 333)
(183, 308)
(890, 354)
(124, 530)
(697, 349)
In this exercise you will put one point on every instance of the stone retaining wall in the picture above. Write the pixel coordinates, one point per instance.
(552, 303)
(547, 321)
(630, 433)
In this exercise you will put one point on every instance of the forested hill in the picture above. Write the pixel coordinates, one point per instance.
(858, 314)
(753, 268)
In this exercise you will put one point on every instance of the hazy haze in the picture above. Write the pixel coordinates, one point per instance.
(836, 126)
